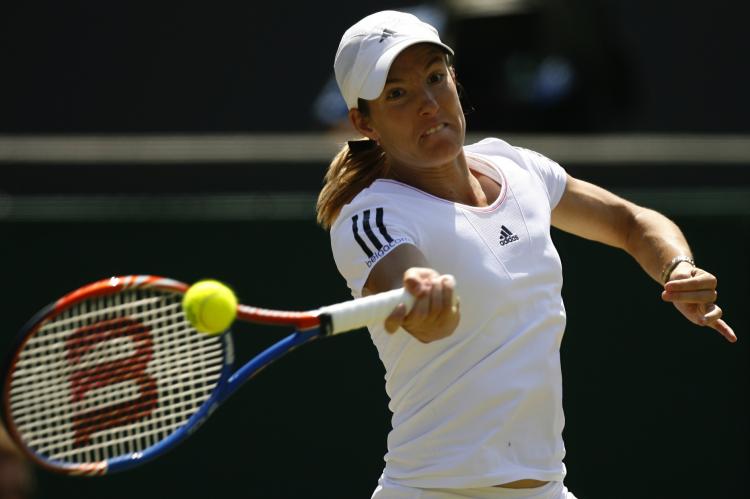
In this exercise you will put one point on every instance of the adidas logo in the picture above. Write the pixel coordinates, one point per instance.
(386, 33)
(379, 245)
(506, 236)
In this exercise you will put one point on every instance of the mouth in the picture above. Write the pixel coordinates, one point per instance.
(433, 130)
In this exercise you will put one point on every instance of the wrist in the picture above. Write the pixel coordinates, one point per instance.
(679, 261)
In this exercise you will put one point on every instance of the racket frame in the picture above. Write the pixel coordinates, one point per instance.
(97, 289)
(308, 327)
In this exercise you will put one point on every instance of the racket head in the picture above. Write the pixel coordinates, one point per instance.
(110, 376)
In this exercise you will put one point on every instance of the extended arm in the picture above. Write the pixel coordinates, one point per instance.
(651, 238)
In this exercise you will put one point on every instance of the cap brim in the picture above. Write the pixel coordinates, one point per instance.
(375, 82)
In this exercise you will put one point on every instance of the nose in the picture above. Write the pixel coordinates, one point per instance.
(429, 104)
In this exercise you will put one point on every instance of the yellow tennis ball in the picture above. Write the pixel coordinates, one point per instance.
(210, 306)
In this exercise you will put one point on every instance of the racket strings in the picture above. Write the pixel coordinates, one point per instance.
(141, 309)
(179, 361)
(176, 374)
(111, 376)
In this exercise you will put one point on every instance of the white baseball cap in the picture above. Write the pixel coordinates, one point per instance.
(368, 49)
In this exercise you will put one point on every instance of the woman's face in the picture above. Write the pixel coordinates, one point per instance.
(417, 118)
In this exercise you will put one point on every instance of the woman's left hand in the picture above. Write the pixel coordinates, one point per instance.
(693, 293)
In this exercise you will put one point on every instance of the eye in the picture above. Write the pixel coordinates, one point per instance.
(394, 93)
(436, 77)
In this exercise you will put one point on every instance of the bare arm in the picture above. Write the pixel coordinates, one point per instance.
(434, 315)
(648, 236)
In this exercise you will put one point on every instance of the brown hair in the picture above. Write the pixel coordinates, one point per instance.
(349, 173)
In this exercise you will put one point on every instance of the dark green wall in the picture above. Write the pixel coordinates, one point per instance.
(653, 404)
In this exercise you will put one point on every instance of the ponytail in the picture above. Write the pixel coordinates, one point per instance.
(353, 169)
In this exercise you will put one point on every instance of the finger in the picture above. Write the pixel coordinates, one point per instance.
(711, 314)
(436, 297)
(704, 296)
(702, 280)
(421, 308)
(449, 296)
(414, 283)
(394, 321)
(724, 329)
(452, 298)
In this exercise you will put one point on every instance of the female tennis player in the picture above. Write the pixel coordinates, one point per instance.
(475, 388)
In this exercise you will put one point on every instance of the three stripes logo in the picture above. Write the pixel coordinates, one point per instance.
(506, 236)
(378, 247)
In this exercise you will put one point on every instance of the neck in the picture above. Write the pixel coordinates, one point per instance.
(453, 181)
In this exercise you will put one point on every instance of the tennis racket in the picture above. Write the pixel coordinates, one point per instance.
(112, 374)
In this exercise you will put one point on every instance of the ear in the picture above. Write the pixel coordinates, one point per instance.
(362, 124)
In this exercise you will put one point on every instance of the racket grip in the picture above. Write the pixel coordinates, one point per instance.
(365, 311)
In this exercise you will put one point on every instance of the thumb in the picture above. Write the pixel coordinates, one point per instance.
(394, 321)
